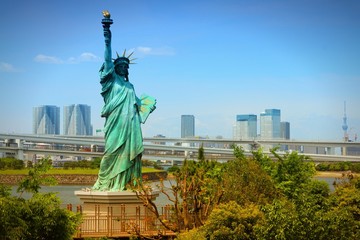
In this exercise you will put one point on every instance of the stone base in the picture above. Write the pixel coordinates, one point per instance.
(115, 214)
(101, 201)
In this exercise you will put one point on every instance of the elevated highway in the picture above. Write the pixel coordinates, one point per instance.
(173, 149)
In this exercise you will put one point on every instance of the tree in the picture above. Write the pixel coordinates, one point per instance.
(281, 221)
(261, 197)
(196, 190)
(232, 221)
(246, 182)
(41, 216)
(307, 209)
(35, 178)
(290, 172)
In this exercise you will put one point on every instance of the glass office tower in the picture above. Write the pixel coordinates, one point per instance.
(187, 126)
(270, 124)
(245, 127)
(285, 130)
(46, 120)
(77, 120)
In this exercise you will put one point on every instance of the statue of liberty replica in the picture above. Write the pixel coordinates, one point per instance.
(123, 112)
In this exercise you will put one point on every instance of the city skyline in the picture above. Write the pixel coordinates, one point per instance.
(213, 59)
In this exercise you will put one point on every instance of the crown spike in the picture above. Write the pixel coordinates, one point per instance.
(117, 54)
(124, 52)
(130, 54)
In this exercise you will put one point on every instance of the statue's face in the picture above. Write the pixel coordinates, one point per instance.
(122, 69)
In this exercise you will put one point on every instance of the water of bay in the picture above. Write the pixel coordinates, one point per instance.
(67, 196)
(66, 193)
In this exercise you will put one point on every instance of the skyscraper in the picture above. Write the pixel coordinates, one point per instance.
(187, 126)
(46, 120)
(77, 120)
(285, 130)
(270, 124)
(245, 127)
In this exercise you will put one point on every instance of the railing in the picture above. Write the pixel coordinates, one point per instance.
(122, 221)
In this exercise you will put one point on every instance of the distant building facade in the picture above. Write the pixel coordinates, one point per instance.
(285, 130)
(245, 127)
(77, 120)
(46, 120)
(270, 124)
(187, 126)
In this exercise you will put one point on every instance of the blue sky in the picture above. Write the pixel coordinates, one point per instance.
(212, 59)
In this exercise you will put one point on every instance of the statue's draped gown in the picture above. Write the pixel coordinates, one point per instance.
(121, 161)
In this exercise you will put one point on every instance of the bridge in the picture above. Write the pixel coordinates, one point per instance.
(169, 149)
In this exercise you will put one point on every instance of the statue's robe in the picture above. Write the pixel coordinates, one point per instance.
(124, 112)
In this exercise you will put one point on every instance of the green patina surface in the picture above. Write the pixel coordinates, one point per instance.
(123, 112)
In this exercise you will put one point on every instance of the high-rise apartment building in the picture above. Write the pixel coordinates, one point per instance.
(187, 126)
(270, 124)
(46, 120)
(77, 120)
(245, 127)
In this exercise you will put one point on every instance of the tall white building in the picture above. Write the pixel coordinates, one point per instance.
(77, 120)
(245, 127)
(270, 124)
(46, 120)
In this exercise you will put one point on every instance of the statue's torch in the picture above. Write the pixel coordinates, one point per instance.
(106, 21)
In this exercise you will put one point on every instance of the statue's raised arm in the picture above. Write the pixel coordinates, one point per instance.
(106, 22)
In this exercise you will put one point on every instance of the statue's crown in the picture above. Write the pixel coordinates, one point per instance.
(123, 59)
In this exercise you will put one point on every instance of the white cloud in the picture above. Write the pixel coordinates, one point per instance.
(155, 51)
(7, 67)
(47, 59)
(84, 57)
(88, 57)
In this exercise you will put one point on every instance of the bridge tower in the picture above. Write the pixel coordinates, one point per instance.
(345, 126)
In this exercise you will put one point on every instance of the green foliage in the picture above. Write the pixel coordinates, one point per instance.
(263, 197)
(12, 226)
(339, 166)
(196, 190)
(11, 163)
(199, 186)
(5, 190)
(232, 221)
(201, 154)
(157, 166)
(41, 216)
(246, 182)
(83, 164)
(47, 219)
(309, 210)
(281, 221)
(292, 172)
(147, 163)
(173, 169)
(35, 178)
(266, 163)
(191, 235)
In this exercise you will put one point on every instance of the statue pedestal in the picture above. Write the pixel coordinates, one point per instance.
(103, 200)
(115, 214)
